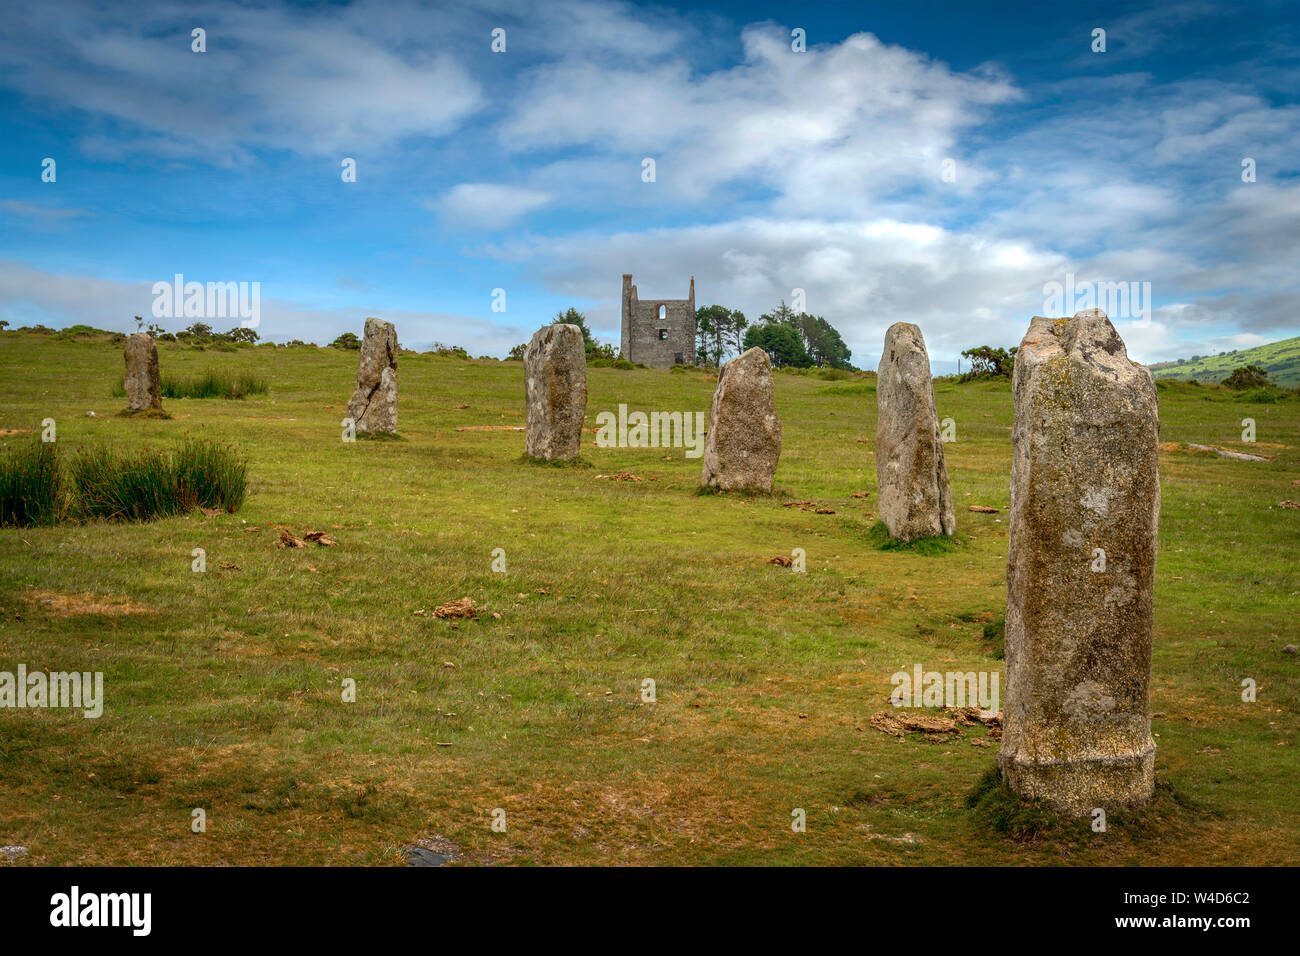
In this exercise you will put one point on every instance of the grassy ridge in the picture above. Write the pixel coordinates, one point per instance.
(223, 689)
(1280, 359)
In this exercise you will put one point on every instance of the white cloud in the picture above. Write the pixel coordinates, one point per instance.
(308, 81)
(471, 206)
(828, 130)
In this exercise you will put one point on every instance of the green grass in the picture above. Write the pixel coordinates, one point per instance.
(149, 484)
(31, 486)
(213, 383)
(223, 688)
(1280, 359)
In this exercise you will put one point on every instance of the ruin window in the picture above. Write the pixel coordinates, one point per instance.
(663, 335)
(663, 313)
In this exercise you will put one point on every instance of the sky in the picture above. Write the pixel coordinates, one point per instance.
(935, 163)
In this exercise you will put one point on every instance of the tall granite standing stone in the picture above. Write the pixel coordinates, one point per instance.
(555, 372)
(373, 407)
(1085, 504)
(915, 499)
(143, 390)
(743, 444)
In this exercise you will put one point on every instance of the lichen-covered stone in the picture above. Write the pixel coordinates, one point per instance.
(743, 444)
(143, 389)
(915, 499)
(555, 370)
(1085, 504)
(373, 407)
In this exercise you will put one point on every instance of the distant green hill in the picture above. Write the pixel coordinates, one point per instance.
(1280, 359)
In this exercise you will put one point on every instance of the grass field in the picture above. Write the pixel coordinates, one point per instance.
(223, 688)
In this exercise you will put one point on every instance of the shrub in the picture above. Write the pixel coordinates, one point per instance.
(450, 351)
(153, 484)
(1248, 376)
(348, 340)
(31, 489)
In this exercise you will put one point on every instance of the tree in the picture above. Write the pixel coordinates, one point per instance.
(348, 340)
(241, 334)
(821, 342)
(1248, 376)
(988, 361)
(573, 317)
(781, 343)
(517, 352)
(4, 324)
(718, 332)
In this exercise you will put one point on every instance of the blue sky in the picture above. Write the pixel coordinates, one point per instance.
(776, 170)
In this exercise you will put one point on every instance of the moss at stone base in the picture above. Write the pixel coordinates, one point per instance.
(997, 808)
(879, 537)
(555, 462)
(379, 436)
(143, 413)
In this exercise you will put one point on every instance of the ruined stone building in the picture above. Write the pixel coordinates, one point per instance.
(658, 332)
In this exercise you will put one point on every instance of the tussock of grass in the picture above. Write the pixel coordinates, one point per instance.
(213, 383)
(154, 484)
(209, 475)
(31, 489)
(879, 538)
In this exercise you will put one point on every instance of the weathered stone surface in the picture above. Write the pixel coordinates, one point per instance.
(143, 389)
(373, 407)
(1084, 480)
(555, 369)
(915, 497)
(743, 444)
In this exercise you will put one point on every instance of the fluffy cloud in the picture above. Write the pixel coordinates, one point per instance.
(307, 81)
(487, 205)
(827, 130)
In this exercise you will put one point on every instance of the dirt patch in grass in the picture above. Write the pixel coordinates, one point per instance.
(75, 605)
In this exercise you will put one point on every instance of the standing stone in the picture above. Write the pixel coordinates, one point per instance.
(743, 444)
(373, 407)
(555, 370)
(915, 500)
(143, 390)
(1085, 504)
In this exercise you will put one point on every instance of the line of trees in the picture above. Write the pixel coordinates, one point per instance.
(799, 340)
